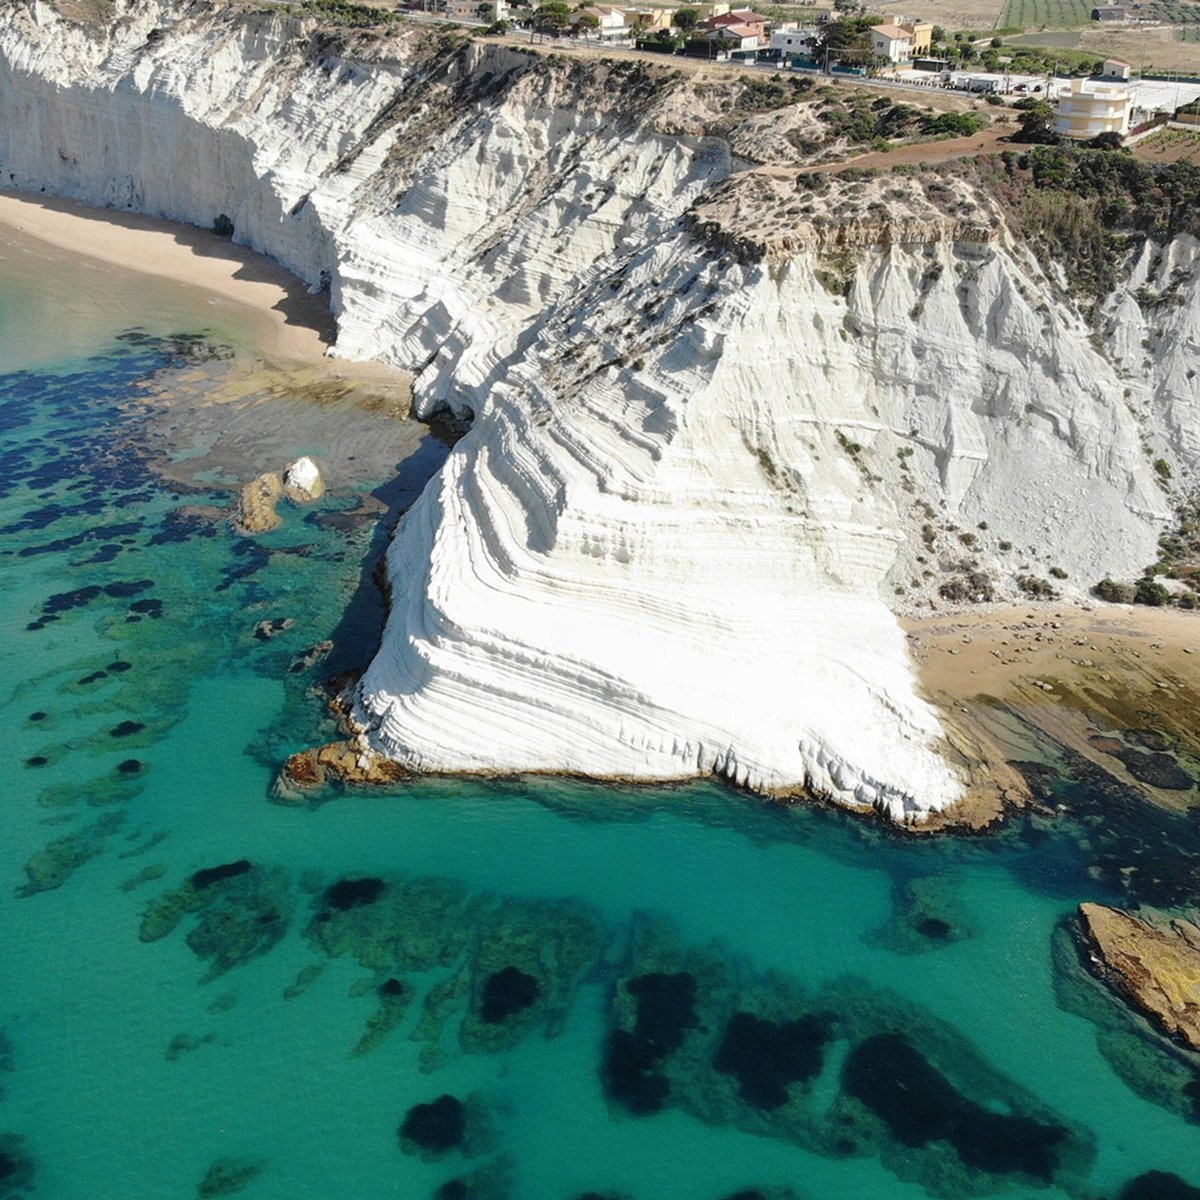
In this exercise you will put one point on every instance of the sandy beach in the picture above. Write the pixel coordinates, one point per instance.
(279, 397)
(286, 322)
(1011, 682)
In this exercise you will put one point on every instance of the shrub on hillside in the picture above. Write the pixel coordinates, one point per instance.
(1113, 592)
(1151, 592)
(958, 124)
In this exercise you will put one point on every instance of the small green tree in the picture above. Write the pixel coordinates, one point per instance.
(686, 19)
(1151, 592)
(552, 17)
(958, 124)
(938, 35)
(1115, 593)
(587, 23)
(1035, 124)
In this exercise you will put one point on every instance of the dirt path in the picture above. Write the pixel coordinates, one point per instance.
(986, 141)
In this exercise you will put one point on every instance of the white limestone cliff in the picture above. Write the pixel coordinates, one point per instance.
(696, 478)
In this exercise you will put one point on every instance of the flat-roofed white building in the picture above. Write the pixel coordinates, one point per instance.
(1089, 108)
(793, 41)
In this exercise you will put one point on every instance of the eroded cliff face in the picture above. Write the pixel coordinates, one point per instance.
(721, 424)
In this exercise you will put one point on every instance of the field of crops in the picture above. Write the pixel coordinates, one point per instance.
(1189, 33)
(1030, 14)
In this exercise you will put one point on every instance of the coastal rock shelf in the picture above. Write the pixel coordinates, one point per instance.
(702, 454)
(1155, 966)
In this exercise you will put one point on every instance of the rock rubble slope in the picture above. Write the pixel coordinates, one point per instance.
(721, 426)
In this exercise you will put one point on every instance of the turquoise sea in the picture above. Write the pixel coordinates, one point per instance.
(532, 990)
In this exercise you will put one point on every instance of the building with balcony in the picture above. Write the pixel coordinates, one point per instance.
(891, 42)
(1089, 108)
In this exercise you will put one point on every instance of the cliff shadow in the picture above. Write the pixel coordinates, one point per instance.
(357, 635)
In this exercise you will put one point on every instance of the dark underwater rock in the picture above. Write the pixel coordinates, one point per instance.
(394, 998)
(241, 912)
(16, 1166)
(766, 1057)
(354, 893)
(919, 1105)
(1158, 1185)
(264, 631)
(1157, 769)
(210, 875)
(434, 1128)
(666, 1010)
(227, 1176)
(505, 993)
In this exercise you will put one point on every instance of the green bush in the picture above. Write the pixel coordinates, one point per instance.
(1151, 592)
(1113, 592)
(343, 12)
(1038, 589)
(958, 124)
(1087, 208)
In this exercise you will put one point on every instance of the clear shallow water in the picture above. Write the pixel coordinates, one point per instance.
(132, 1071)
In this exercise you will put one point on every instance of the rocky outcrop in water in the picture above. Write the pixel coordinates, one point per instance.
(1154, 965)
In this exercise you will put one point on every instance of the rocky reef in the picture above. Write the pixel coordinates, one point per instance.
(716, 405)
(844, 1069)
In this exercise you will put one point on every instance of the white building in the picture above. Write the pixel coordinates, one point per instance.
(612, 21)
(735, 37)
(1089, 108)
(892, 42)
(477, 10)
(793, 41)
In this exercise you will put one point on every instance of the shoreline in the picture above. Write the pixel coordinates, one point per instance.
(288, 324)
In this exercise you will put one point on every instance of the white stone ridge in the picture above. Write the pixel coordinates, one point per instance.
(694, 486)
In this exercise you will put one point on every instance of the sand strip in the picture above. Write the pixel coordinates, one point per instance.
(290, 324)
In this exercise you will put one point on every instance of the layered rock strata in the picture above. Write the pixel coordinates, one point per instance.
(711, 437)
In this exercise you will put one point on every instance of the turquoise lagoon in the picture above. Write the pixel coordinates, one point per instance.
(693, 995)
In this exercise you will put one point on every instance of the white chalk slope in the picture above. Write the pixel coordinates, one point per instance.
(693, 486)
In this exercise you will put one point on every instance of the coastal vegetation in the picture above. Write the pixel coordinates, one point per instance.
(1087, 209)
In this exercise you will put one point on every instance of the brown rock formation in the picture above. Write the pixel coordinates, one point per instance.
(1155, 966)
(774, 214)
(256, 504)
(336, 762)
